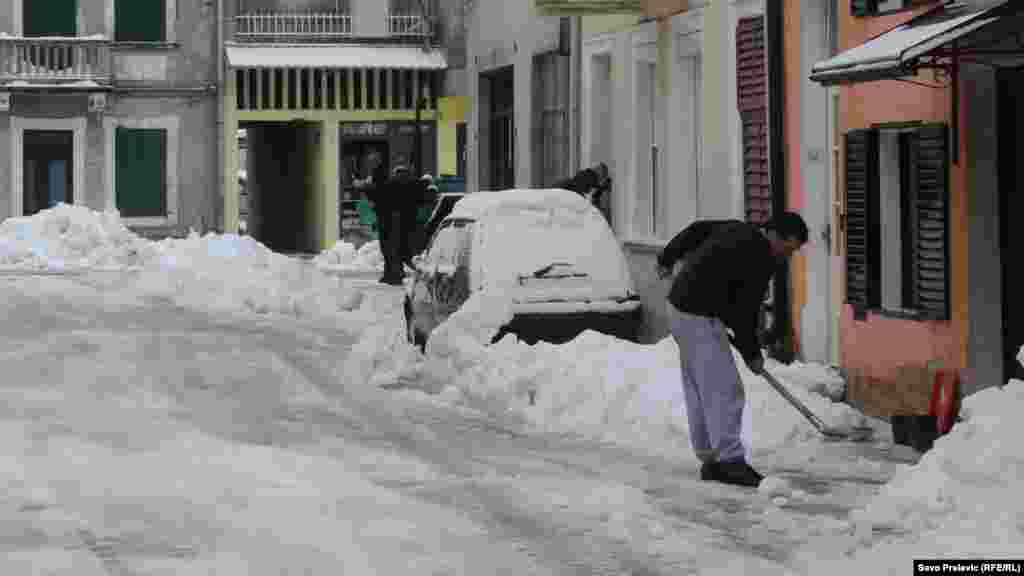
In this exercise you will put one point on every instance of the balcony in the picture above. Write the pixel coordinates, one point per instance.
(409, 26)
(75, 62)
(292, 27)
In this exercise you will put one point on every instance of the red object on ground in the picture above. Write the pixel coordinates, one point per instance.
(945, 401)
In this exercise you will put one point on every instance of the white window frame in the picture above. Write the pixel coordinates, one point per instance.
(738, 10)
(599, 47)
(172, 125)
(686, 119)
(170, 13)
(643, 50)
(76, 125)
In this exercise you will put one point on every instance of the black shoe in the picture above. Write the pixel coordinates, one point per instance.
(707, 470)
(738, 473)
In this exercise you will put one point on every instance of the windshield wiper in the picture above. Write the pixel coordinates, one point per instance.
(545, 271)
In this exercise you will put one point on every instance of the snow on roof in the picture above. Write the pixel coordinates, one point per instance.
(475, 205)
(335, 56)
(76, 84)
(91, 37)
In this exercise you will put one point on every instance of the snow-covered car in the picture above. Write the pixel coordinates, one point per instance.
(550, 251)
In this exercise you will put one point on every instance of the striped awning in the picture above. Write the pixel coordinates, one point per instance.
(334, 56)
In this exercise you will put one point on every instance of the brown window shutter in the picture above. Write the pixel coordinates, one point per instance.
(863, 258)
(752, 96)
(930, 269)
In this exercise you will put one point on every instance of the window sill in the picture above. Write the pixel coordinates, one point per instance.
(904, 314)
(149, 46)
(647, 245)
(150, 222)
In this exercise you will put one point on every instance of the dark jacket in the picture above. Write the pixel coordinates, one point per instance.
(689, 239)
(726, 277)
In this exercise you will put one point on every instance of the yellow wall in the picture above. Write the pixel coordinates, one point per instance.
(451, 111)
(597, 25)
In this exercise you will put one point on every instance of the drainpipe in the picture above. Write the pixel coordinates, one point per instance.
(782, 347)
(220, 104)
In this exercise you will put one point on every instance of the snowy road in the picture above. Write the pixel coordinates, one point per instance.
(139, 437)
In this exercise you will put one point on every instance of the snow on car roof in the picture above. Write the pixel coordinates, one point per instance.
(477, 204)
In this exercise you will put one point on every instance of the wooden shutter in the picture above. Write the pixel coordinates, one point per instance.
(930, 265)
(752, 96)
(860, 8)
(140, 172)
(50, 18)
(140, 20)
(862, 250)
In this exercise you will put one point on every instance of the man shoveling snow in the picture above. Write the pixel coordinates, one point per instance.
(728, 266)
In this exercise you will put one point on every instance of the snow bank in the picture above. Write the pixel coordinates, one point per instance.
(595, 385)
(962, 500)
(344, 257)
(236, 272)
(70, 237)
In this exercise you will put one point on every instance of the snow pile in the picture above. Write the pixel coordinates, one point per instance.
(70, 237)
(233, 272)
(344, 257)
(962, 500)
(595, 385)
(818, 378)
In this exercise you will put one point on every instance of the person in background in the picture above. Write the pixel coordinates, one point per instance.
(728, 265)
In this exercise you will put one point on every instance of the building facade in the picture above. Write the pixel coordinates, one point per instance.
(930, 124)
(318, 85)
(110, 104)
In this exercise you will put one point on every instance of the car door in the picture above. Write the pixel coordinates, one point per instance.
(442, 274)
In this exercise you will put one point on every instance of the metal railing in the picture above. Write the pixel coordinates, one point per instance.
(54, 60)
(292, 26)
(412, 25)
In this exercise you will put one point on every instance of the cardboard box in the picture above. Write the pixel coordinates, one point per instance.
(909, 393)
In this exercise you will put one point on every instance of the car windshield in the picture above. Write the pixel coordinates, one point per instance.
(530, 244)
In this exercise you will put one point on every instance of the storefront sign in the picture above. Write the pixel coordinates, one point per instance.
(364, 128)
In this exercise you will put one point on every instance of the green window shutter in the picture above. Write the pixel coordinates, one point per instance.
(860, 8)
(930, 280)
(863, 259)
(50, 18)
(140, 172)
(140, 21)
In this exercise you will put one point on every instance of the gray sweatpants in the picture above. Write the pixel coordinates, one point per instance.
(711, 384)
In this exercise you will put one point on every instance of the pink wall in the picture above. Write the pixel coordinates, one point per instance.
(880, 344)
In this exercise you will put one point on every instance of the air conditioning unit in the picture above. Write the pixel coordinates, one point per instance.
(5, 101)
(97, 102)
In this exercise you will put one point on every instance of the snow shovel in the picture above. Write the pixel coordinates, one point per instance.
(854, 434)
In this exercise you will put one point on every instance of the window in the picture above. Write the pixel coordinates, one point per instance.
(140, 178)
(876, 7)
(897, 229)
(413, 7)
(451, 244)
(140, 20)
(551, 144)
(51, 18)
(142, 169)
(645, 211)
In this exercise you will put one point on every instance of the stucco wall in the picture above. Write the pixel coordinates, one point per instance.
(880, 344)
(503, 34)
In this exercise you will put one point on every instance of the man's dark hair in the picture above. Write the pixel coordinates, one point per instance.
(788, 225)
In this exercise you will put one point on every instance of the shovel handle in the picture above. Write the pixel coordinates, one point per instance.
(811, 417)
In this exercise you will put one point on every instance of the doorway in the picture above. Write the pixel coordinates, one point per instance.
(1011, 176)
(502, 131)
(47, 169)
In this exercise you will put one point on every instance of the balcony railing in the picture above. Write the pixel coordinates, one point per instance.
(54, 60)
(292, 27)
(410, 25)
